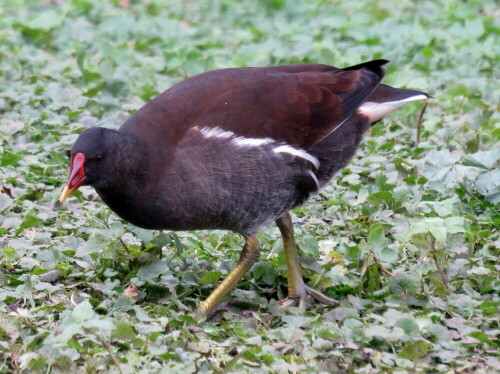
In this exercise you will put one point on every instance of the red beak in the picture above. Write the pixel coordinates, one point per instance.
(76, 176)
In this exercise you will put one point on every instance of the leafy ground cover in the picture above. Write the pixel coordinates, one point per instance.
(406, 237)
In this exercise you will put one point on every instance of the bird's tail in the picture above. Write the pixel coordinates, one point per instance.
(386, 99)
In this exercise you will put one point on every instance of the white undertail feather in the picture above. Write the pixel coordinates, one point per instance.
(376, 111)
(298, 153)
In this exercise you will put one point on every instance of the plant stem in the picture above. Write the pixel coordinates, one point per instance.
(110, 351)
(420, 118)
(382, 269)
(124, 245)
(106, 224)
(436, 261)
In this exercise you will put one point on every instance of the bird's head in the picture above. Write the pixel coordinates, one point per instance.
(94, 158)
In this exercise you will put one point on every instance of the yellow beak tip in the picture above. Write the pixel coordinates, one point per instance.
(66, 192)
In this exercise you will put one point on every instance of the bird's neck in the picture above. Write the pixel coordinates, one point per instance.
(131, 184)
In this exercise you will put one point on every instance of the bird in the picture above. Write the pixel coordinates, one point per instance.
(236, 149)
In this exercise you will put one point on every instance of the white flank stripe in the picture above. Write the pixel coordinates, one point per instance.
(376, 111)
(240, 141)
(215, 132)
(252, 142)
(297, 152)
(313, 176)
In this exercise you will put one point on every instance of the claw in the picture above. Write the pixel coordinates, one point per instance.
(288, 302)
(297, 290)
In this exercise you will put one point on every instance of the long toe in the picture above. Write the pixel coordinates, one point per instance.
(301, 300)
(296, 301)
(318, 296)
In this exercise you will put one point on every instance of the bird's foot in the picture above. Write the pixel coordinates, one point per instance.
(301, 300)
(199, 315)
(216, 314)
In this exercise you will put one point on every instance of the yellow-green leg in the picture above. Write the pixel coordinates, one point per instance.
(297, 289)
(249, 255)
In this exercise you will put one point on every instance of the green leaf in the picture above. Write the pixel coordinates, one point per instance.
(372, 280)
(308, 244)
(104, 325)
(63, 364)
(381, 197)
(376, 235)
(385, 254)
(488, 184)
(9, 253)
(38, 363)
(123, 331)
(440, 289)
(353, 253)
(401, 284)
(5, 202)
(384, 333)
(153, 270)
(82, 312)
(409, 326)
(489, 308)
(427, 52)
(481, 336)
(264, 271)
(455, 224)
(94, 244)
(443, 170)
(159, 240)
(297, 321)
(28, 222)
(443, 208)
(433, 225)
(45, 20)
(9, 158)
(484, 159)
(210, 277)
(415, 350)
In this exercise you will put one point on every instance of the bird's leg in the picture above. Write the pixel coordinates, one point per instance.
(296, 285)
(249, 255)
(297, 289)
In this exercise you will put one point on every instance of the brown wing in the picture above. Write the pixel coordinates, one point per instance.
(298, 104)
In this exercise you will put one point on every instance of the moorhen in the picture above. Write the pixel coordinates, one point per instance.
(236, 149)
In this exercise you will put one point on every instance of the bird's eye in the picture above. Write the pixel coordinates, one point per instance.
(98, 159)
